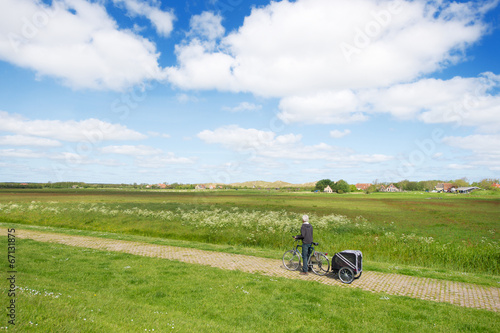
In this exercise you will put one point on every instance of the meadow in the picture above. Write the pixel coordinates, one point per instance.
(70, 289)
(456, 233)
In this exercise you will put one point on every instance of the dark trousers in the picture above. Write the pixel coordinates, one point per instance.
(306, 252)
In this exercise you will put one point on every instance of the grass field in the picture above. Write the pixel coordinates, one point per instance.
(442, 232)
(69, 289)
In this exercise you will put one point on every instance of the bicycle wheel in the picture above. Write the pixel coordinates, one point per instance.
(291, 260)
(346, 275)
(320, 264)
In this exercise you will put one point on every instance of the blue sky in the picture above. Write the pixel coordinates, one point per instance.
(223, 91)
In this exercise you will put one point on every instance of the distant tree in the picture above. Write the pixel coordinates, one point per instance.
(428, 185)
(341, 187)
(487, 183)
(403, 184)
(462, 182)
(321, 184)
(414, 186)
(371, 189)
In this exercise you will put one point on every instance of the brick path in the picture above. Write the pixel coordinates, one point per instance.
(457, 293)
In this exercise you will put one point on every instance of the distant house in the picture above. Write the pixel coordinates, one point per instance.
(464, 189)
(390, 188)
(362, 186)
(444, 187)
(496, 185)
(162, 186)
(200, 187)
(328, 189)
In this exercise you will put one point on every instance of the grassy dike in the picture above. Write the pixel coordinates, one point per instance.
(70, 289)
(478, 278)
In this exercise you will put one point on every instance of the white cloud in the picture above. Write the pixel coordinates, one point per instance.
(262, 146)
(243, 106)
(162, 20)
(241, 139)
(76, 42)
(296, 51)
(26, 140)
(139, 150)
(327, 107)
(462, 101)
(89, 130)
(207, 25)
(293, 48)
(339, 134)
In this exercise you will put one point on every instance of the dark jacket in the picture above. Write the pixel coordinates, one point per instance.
(306, 233)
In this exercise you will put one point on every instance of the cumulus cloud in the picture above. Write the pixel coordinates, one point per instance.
(76, 42)
(334, 62)
(242, 139)
(206, 25)
(326, 107)
(293, 48)
(162, 20)
(263, 145)
(462, 101)
(89, 130)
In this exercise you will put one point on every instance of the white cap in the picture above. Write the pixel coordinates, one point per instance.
(305, 218)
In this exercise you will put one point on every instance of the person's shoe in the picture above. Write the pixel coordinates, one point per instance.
(303, 273)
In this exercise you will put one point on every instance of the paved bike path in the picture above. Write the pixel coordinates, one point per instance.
(457, 293)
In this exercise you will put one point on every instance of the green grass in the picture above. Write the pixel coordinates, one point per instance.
(436, 231)
(69, 289)
(484, 279)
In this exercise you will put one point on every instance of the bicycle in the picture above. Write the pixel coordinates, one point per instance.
(318, 261)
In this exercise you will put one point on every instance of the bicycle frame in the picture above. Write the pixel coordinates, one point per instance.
(312, 251)
(319, 264)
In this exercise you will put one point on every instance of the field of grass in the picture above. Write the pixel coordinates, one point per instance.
(443, 232)
(70, 289)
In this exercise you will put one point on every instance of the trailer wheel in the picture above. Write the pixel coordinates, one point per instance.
(346, 275)
(358, 276)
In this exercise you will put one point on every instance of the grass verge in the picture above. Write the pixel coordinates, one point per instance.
(69, 289)
(369, 265)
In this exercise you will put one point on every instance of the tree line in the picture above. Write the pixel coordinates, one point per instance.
(342, 186)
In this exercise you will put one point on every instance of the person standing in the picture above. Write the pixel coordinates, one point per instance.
(306, 234)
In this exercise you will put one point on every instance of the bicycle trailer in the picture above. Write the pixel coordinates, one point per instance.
(348, 264)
